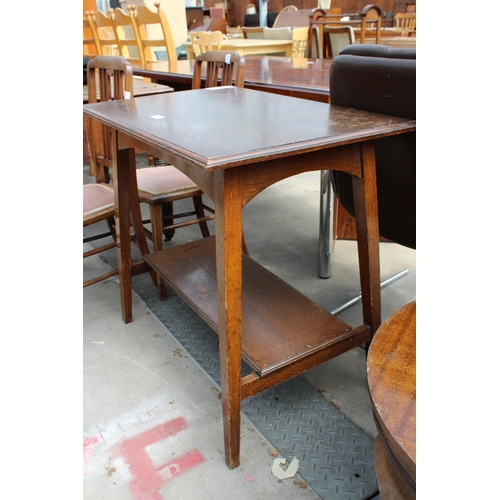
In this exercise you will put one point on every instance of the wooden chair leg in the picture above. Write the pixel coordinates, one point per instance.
(167, 211)
(200, 212)
(157, 237)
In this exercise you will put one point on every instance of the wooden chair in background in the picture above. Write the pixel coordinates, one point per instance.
(288, 8)
(405, 21)
(205, 40)
(146, 23)
(111, 77)
(371, 20)
(221, 68)
(300, 37)
(102, 28)
(128, 44)
(336, 38)
(156, 186)
(89, 46)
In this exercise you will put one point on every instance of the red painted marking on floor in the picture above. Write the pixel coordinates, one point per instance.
(147, 478)
(87, 447)
(88, 452)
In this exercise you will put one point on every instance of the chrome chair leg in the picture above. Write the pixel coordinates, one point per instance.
(325, 226)
(386, 282)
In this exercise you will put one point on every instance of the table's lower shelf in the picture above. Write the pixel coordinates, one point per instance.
(280, 326)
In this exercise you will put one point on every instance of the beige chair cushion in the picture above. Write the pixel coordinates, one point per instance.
(163, 180)
(278, 33)
(97, 198)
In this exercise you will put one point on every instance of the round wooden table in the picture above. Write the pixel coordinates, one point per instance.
(391, 372)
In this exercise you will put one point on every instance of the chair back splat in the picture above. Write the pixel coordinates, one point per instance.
(205, 40)
(221, 67)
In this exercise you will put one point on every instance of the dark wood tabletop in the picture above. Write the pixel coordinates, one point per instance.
(391, 369)
(261, 138)
(296, 77)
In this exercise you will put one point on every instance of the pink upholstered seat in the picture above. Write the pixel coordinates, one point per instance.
(163, 180)
(98, 199)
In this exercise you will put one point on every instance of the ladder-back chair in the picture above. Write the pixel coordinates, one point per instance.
(102, 28)
(89, 45)
(148, 24)
(202, 41)
(128, 44)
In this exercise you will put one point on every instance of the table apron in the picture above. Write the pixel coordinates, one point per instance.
(260, 175)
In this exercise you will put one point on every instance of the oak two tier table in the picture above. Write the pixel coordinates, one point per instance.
(261, 138)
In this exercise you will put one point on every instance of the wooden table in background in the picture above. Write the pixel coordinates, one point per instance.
(391, 371)
(296, 77)
(252, 46)
(266, 138)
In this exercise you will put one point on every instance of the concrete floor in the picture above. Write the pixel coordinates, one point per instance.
(152, 416)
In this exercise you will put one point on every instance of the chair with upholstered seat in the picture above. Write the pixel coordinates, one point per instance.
(284, 33)
(205, 40)
(147, 23)
(381, 79)
(156, 186)
(253, 32)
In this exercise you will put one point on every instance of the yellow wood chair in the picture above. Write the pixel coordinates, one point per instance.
(89, 46)
(300, 37)
(128, 44)
(405, 21)
(205, 40)
(103, 33)
(147, 23)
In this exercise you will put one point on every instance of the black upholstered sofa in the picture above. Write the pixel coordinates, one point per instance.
(381, 79)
